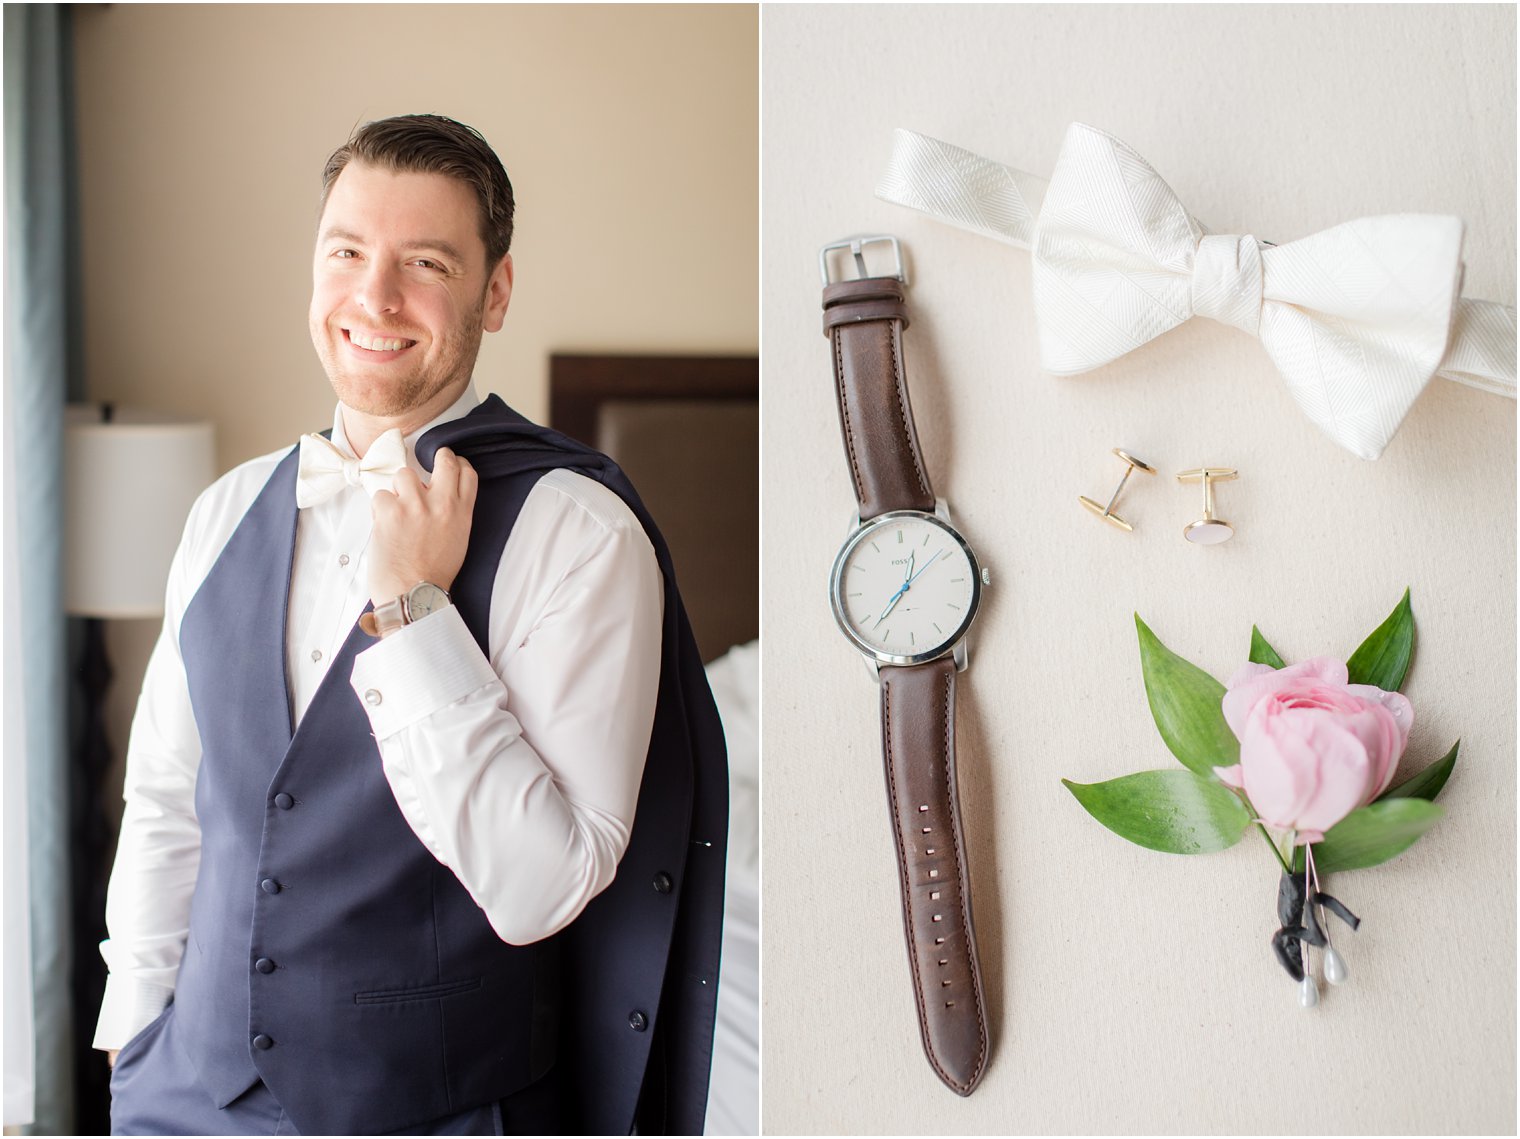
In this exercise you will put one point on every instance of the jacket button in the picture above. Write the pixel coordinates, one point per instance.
(262, 1042)
(269, 886)
(264, 965)
(284, 801)
(663, 883)
(637, 1021)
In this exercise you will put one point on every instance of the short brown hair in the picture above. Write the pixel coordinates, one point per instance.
(433, 144)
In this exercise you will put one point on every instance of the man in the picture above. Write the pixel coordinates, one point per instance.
(409, 716)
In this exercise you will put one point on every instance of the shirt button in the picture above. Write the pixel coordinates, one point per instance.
(264, 965)
(316, 654)
(663, 883)
(262, 1042)
(372, 697)
(284, 801)
(637, 1021)
(269, 886)
(343, 559)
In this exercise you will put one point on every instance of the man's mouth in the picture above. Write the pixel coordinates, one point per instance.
(377, 343)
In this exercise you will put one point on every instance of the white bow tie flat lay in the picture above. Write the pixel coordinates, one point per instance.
(325, 470)
(1357, 319)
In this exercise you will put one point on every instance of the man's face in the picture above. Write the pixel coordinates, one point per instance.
(401, 291)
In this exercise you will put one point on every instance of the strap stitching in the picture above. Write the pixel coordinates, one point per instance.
(903, 880)
(844, 413)
(900, 382)
(964, 884)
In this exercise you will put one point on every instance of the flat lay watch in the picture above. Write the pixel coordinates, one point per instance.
(412, 606)
(905, 590)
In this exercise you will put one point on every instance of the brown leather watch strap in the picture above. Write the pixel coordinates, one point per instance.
(918, 745)
(863, 320)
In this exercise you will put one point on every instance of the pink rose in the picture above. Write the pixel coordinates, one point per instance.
(1312, 747)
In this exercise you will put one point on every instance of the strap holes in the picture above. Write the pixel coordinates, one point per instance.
(934, 874)
(939, 941)
(944, 984)
(943, 961)
(938, 917)
(949, 1004)
(928, 850)
(928, 830)
(924, 808)
(934, 895)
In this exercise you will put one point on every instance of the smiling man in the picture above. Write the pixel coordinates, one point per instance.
(425, 793)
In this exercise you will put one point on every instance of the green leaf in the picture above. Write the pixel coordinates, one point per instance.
(1261, 652)
(1373, 834)
(1185, 703)
(1383, 658)
(1428, 783)
(1173, 811)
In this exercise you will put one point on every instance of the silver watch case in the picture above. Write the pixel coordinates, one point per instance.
(956, 644)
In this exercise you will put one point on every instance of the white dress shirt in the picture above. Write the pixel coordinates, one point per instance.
(519, 772)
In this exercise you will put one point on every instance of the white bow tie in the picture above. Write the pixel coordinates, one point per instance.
(324, 470)
(1357, 318)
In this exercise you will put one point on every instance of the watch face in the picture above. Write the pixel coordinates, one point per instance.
(905, 587)
(425, 598)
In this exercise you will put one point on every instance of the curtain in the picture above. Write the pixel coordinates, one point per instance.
(40, 361)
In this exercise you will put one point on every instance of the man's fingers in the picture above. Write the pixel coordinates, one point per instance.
(445, 471)
(469, 481)
(406, 484)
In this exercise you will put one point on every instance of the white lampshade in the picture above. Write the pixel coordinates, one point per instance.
(128, 488)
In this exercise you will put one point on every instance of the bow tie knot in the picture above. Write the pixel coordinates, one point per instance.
(1227, 281)
(325, 470)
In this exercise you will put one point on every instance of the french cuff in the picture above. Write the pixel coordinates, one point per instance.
(130, 1005)
(418, 670)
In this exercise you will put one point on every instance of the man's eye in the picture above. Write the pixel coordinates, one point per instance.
(344, 254)
(427, 263)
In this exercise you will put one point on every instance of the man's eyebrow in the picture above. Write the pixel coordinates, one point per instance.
(436, 244)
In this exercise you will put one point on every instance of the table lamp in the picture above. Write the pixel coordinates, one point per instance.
(130, 478)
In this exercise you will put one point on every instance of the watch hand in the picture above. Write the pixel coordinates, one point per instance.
(925, 566)
(896, 597)
(908, 576)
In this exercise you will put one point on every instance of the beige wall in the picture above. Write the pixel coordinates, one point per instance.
(630, 134)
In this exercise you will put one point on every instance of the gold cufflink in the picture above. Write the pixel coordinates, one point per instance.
(1208, 530)
(1106, 513)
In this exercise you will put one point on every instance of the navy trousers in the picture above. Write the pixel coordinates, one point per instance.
(154, 1091)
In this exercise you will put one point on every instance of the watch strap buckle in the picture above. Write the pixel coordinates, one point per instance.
(856, 246)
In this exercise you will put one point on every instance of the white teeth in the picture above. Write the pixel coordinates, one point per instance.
(378, 344)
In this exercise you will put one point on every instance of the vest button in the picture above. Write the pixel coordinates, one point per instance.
(264, 965)
(269, 886)
(637, 1021)
(663, 883)
(263, 1043)
(284, 801)
(373, 697)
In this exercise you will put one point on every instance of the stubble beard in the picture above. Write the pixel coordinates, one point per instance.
(394, 397)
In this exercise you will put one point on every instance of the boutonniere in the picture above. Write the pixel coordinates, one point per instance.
(1304, 753)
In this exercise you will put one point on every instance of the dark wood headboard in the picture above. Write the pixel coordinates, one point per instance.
(686, 431)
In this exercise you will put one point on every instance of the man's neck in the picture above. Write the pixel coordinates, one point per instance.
(363, 429)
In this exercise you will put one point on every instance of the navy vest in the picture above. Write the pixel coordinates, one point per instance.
(333, 957)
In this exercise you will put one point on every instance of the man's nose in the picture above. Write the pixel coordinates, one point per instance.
(380, 289)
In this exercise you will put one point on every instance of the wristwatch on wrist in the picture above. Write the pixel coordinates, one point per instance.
(413, 605)
(905, 589)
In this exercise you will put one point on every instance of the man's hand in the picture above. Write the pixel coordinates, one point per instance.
(111, 1057)
(421, 532)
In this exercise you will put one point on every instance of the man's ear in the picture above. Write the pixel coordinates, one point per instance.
(498, 294)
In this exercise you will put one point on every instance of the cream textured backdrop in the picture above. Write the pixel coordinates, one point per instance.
(1132, 991)
(630, 135)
